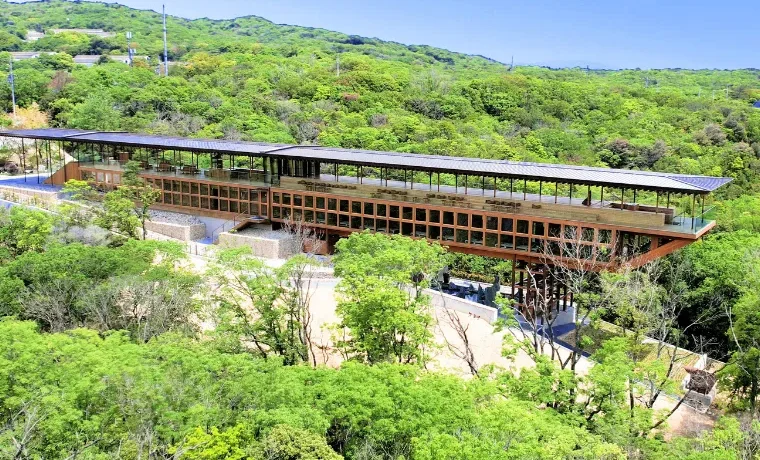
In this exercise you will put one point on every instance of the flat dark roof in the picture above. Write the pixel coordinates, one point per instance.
(645, 180)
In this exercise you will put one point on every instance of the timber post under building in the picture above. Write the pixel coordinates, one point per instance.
(529, 213)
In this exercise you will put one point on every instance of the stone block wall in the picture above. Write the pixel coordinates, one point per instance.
(441, 300)
(268, 248)
(191, 232)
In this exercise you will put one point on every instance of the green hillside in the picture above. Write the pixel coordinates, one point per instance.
(251, 79)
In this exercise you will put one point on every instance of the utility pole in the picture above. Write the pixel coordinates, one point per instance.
(166, 50)
(12, 81)
(337, 66)
(129, 48)
(512, 64)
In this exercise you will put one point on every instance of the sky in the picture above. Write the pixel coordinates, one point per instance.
(598, 33)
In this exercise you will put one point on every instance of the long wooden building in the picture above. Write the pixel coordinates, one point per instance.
(529, 213)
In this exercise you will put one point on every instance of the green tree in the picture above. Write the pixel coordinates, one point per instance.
(383, 308)
(135, 189)
(118, 214)
(264, 306)
(23, 230)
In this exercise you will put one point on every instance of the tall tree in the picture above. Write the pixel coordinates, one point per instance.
(383, 308)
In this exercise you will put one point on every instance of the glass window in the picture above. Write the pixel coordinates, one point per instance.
(286, 213)
(477, 221)
(176, 199)
(233, 206)
(434, 232)
(308, 216)
(320, 217)
(343, 205)
(587, 234)
(194, 188)
(204, 189)
(538, 228)
(394, 212)
(463, 219)
(175, 185)
(264, 196)
(297, 200)
(224, 192)
(507, 225)
(393, 227)
(233, 192)
(492, 240)
(167, 198)
(369, 223)
(492, 223)
(332, 219)
(255, 196)
(204, 203)
(435, 215)
(381, 210)
(254, 209)
(537, 245)
(343, 220)
(275, 212)
(420, 215)
(605, 235)
(571, 232)
(406, 228)
(476, 238)
(555, 230)
(320, 202)
(507, 241)
(407, 213)
(382, 226)
(420, 231)
(223, 205)
(521, 243)
(356, 207)
(462, 236)
(297, 215)
(448, 234)
(448, 218)
(276, 198)
(243, 206)
(244, 194)
(522, 226)
(286, 198)
(369, 209)
(309, 201)
(356, 222)
(332, 204)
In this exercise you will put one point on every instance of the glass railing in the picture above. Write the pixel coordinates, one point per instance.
(234, 175)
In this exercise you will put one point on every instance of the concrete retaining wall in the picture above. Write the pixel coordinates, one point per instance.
(441, 300)
(177, 231)
(34, 198)
(267, 248)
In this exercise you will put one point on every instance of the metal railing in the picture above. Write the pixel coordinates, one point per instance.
(227, 225)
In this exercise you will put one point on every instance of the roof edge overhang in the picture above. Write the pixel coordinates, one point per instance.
(692, 184)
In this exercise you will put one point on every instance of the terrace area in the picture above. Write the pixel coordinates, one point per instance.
(620, 207)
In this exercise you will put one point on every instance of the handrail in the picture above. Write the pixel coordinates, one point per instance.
(221, 228)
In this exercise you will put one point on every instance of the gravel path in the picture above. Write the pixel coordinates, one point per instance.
(173, 218)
